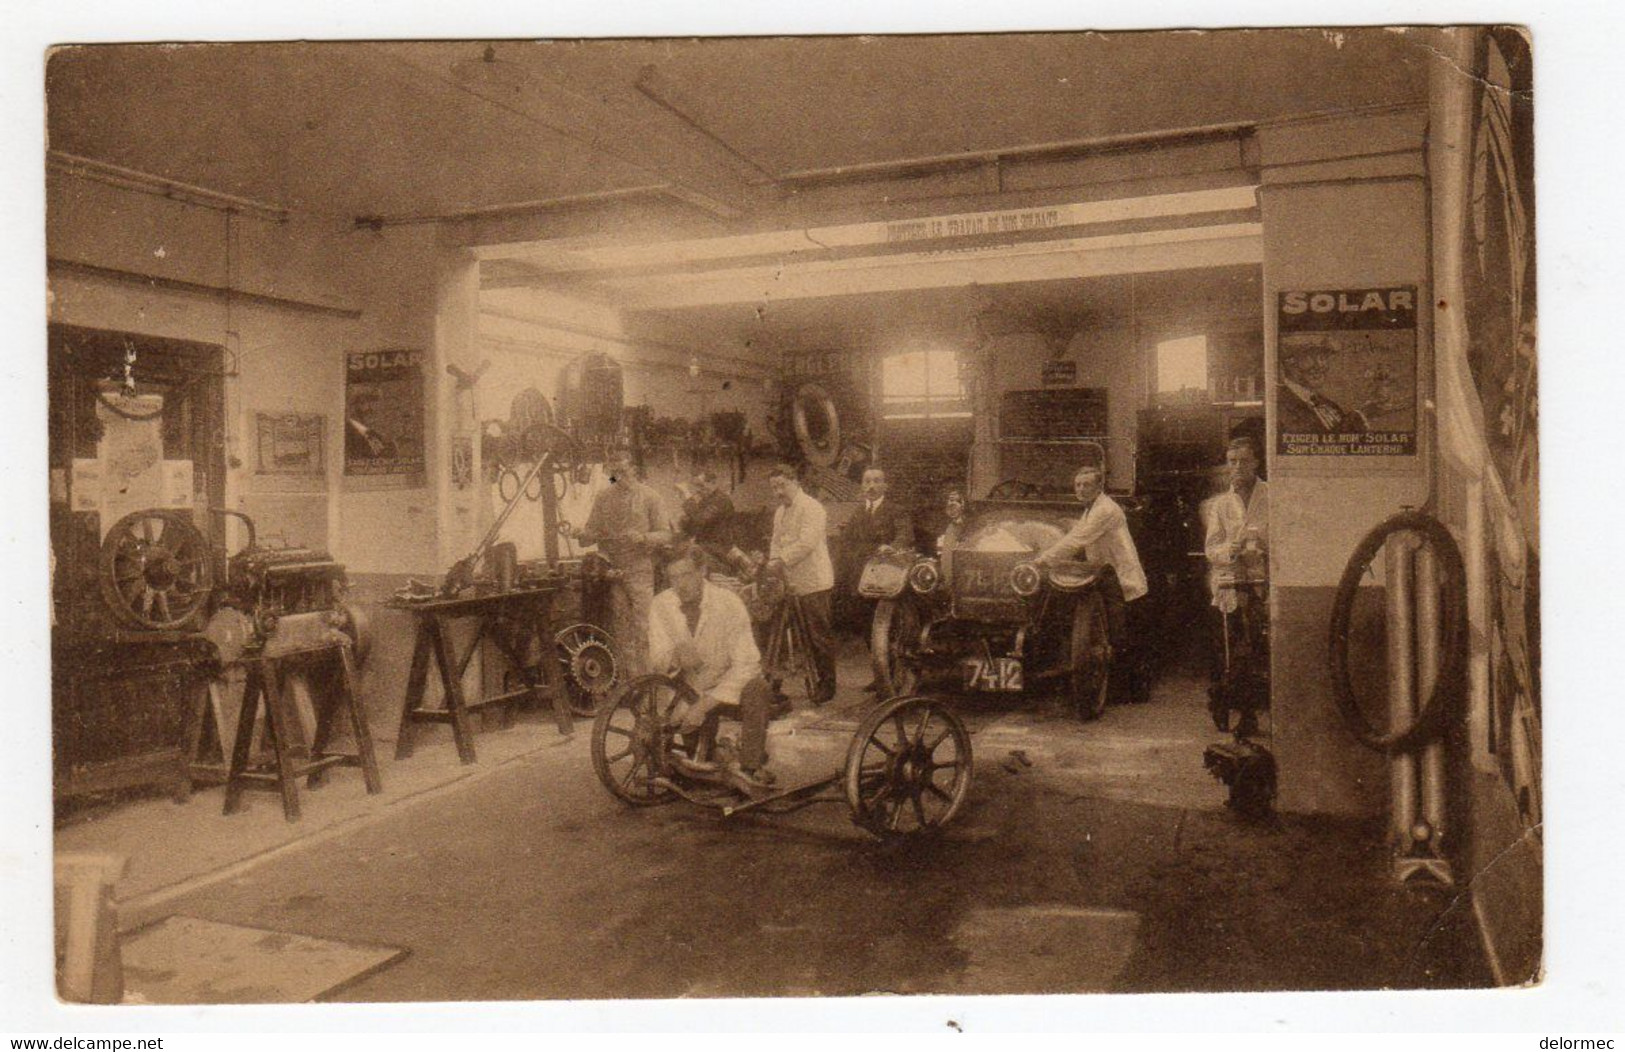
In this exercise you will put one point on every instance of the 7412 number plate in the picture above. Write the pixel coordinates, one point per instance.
(999, 674)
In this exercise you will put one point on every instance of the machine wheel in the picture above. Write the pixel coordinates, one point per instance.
(893, 636)
(154, 570)
(1091, 657)
(591, 672)
(908, 769)
(630, 738)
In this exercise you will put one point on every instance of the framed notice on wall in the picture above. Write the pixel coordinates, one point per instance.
(383, 415)
(289, 443)
(1346, 373)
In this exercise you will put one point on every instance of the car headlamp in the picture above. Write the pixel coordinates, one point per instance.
(1026, 579)
(925, 576)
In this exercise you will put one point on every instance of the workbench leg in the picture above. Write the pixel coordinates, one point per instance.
(416, 681)
(282, 740)
(327, 706)
(553, 676)
(350, 698)
(253, 687)
(197, 732)
(452, 684)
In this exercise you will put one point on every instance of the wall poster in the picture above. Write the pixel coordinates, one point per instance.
(383, 414)
(1346, 373)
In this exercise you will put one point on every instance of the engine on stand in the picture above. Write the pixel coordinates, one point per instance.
(161, 579)
(274, 602)
(281, 600)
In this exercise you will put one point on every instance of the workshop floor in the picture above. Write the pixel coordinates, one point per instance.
(1107, 862)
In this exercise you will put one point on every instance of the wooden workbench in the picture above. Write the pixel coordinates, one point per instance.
(513, 621)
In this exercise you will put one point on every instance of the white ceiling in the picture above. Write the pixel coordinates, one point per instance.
(423, 129)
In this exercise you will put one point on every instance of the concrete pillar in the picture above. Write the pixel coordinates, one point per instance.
(463, 515)
(1344, 206)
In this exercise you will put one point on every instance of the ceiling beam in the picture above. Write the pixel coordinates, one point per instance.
(590, 255)
(1219, 245)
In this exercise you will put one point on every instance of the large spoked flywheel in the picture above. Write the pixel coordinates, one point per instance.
(909, 769)
(154, 570)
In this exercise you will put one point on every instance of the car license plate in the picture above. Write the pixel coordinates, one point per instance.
(1001, 674)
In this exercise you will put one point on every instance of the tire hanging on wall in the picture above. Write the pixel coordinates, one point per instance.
(1431, 715)
(817, 425)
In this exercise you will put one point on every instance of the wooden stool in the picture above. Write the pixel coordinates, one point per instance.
(293, 757)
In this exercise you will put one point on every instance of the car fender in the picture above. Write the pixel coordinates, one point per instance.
(886, 576)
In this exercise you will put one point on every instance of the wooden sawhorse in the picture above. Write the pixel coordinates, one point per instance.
(293, 758)
(513, 620)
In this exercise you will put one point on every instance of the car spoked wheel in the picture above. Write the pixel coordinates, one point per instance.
(590, 669)
(632, 736)
(893, 638)
(1091, 657)
(909, 768)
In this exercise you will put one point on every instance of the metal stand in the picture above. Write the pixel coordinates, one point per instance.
(1417, 780)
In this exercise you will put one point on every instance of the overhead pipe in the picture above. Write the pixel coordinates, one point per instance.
(161, 186)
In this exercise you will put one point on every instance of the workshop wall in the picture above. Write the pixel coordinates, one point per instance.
(287, 299)
(1106, 358)
(1343, 206)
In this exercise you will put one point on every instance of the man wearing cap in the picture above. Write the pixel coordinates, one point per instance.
(708, 517)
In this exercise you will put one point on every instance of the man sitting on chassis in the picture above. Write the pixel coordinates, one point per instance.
(703, 633)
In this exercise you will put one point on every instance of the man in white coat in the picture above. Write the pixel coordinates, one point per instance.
(1238, 523)
(1101, 535)
(800, 545)
(704, 633)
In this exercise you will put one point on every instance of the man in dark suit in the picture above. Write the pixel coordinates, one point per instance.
(880, 526)
(1300, 407)
(708, 518)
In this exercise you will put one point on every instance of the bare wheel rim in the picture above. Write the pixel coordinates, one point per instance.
(1091, 658)
(891, 641)
(155, 570)
(630, 738)
(591, 670)
(908, 770)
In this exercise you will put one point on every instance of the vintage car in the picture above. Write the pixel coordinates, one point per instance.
(985, 613)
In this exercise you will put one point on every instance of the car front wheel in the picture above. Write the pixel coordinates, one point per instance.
(893, 636)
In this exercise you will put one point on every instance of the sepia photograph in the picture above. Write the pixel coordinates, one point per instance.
(794, 516)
